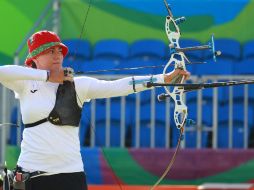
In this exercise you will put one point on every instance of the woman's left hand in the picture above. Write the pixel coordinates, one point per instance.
(61, 75)
(176, 76)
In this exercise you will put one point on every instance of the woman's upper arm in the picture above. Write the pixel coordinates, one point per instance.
(16, 86)
(14, 77)
(11, 73)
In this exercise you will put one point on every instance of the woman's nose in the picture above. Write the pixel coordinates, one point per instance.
(58, 55)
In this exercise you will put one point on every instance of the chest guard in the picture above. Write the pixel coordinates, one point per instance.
(66, 110)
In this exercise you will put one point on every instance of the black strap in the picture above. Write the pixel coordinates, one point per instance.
(19, 169)
(151, 79)
(133, 84)
(36, 173)
(36, 123)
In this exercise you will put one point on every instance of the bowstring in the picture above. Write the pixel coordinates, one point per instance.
(79, 99)
(171, 161)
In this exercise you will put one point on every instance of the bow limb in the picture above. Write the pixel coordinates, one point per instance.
(170, 163)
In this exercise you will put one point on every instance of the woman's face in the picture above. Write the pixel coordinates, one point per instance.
(51, 59)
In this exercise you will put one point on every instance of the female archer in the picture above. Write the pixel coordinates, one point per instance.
(51, 99)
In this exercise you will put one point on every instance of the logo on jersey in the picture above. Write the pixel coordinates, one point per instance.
(33, 91)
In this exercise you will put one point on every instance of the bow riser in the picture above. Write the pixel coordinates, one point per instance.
(181, 111)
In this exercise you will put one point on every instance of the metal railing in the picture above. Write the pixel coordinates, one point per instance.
(198, 129)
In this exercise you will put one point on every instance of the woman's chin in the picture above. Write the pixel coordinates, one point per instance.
(56, 66)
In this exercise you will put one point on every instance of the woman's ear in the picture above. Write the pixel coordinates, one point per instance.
(33, 63)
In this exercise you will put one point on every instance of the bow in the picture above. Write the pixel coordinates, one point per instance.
(178, 59)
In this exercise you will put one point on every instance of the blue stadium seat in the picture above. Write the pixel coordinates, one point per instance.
(99, 129)
(145, 126)
(191, 139)
(160, 125)
(79, 52)
(145, 98)
(145, 133)
(191, 97)
(191, 55)
(223, 136)
(111, 49)
(251, 94)
(207, 112)
(78, 49)
(248, 50)
(230, 49)
(238, 114)
(115, 121)
(74, 64)
(207, 95)
(238, 94)
(244, 67)
(221, 67)
(238, 126)
(148, 49)
(85, 125)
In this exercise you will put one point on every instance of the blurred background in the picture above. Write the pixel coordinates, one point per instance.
(134, 137)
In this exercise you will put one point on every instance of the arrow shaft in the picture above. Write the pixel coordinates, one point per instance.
(197, 86)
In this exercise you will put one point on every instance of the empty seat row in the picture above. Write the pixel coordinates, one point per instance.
(115, 55)
(114, 49)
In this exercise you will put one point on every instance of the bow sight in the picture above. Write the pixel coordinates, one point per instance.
(210, 46)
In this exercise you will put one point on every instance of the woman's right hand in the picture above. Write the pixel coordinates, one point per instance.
(61, 75)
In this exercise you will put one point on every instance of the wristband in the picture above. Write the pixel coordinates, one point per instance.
(133, 84)
(48, 74)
